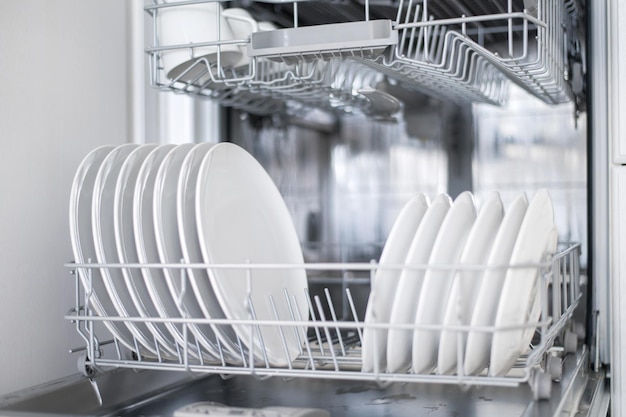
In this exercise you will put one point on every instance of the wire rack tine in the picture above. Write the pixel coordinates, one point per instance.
(334, 318)
(307, 345)
(281, 332)
(320, 309)
(313, 317)
(293, 318)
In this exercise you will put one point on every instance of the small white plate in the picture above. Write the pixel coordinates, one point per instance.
(516, 301)
(478, 345)
(380, 303)
(190, 245)
(169, 246)
(82, 239)
(241, 218)
(127, 249)
(437, 282)
(464, 291)
(410, 284)
(147, 251)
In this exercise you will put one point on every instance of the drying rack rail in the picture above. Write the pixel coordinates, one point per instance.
(463, 53)
(329, 343)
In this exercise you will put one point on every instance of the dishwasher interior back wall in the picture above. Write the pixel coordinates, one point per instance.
(345, 179)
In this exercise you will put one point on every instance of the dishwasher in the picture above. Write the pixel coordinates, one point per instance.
(353, 108)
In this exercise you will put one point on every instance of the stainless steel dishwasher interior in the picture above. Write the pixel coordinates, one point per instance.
(152, 393)
(317, 159)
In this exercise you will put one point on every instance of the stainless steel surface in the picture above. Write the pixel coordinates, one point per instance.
(596, 398)
(599, 191)
(579, 393)
(210, 408)
(104, 394)
(348, 399)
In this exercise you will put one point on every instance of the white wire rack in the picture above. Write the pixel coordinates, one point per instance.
(451, 53)
(463, 51)
(329, 342)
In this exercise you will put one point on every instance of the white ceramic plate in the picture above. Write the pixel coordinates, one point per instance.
(437, 282)
(104, 242)
(82, 239)
(127, 249)
(190, 245)
(242, 217)
(464, 291)
(147, 252)
(169, 247)
(478, 345)
(517, 292)
(380, 303)
(410, 284)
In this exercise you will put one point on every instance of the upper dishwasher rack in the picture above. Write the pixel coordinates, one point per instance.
(462, 51)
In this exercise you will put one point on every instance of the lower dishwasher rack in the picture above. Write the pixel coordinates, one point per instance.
(331, 349)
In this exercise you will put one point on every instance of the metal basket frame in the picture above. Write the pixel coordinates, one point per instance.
(560, 291)
(438, 56)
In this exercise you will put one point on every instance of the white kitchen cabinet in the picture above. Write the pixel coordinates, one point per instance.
(63, 92)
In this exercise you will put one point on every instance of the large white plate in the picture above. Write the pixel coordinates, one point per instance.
(104, 242)
(385, 282)
(242, 217)
(147, 251)
(465, 285)
(478, 345)
(431, 305)
(127, 249)
(410, 284)
(190, 246)
(516, 301)
(169, 246)
(81, 235)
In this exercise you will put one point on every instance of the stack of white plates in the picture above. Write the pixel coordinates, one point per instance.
(440, 238)
(204, 203)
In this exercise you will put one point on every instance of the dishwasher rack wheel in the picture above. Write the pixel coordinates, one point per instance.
(554, 366)
(570, 342)
(85, 369)
(541, 385)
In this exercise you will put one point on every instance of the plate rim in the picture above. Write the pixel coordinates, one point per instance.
(123, 215)
(538, 220)
(454, 227)
(500, 255)
(210, 306)
(169, 169)
(77, 234)
(401, 360)
(146, 175)
(105, 245)
(483, 232)
(382, 293)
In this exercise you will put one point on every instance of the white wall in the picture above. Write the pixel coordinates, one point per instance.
(63, 91)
